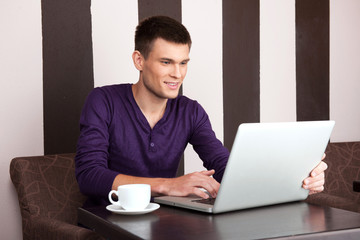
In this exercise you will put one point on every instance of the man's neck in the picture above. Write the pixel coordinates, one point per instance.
(151, 106)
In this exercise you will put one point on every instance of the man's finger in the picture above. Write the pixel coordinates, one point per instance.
(208, 172)
(319, 169)
(197, 191)
(313, 182)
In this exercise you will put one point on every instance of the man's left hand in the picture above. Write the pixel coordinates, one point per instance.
(315, 182)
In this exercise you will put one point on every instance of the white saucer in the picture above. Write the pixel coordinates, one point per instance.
(119, 210)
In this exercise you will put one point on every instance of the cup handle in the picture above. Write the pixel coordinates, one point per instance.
(110, 196)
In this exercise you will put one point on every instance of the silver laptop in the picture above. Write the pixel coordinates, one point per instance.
(267, 165)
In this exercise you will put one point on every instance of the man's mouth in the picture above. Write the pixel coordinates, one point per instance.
(172, 85)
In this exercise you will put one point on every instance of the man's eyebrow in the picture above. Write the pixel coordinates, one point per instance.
(172, 60)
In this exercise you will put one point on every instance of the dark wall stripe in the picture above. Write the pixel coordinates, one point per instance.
(148, 8)
(67, 70)
(241, 65)
(312, 59)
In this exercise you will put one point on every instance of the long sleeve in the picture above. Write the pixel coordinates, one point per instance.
(92, 172)
(207, 146)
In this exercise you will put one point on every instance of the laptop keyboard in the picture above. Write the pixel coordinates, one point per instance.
(210, 201)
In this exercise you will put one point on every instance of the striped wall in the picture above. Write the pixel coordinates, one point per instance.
(251, 61)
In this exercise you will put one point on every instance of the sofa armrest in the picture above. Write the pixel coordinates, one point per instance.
(47, 228)
(325, 199)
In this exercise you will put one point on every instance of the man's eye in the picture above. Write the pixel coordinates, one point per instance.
(165, 62)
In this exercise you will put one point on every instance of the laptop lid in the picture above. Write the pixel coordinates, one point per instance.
(267, 165)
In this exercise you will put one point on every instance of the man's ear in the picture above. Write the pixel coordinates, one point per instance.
(138, 60)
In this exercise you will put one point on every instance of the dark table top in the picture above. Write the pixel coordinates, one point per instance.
(297, 220)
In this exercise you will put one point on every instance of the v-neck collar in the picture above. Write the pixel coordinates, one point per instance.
(140, 115)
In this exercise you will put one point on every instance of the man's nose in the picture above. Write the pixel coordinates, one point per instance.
(176, 73)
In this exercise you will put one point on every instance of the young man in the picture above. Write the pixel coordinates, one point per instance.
(136, 133)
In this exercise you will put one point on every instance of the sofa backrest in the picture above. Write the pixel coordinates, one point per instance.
(46, 186)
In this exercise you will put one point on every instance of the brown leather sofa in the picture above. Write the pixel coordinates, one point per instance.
(49, 197)
(343, 160)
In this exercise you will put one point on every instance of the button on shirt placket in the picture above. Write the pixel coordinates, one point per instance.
(152, 145)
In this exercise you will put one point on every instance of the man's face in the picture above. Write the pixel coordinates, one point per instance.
(165, 68)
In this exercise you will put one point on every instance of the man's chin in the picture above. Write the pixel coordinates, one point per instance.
(173, 96)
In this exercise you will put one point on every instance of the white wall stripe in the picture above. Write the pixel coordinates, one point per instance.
(345, 69)
(21, 105)
(277, 61)
(204, 79)
(113, 27)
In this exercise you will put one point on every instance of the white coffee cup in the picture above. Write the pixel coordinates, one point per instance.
(132, 196)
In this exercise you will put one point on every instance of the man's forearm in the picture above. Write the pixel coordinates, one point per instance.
(181, 186)
(157, 184)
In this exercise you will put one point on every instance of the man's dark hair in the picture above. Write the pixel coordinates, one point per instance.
(156, 27)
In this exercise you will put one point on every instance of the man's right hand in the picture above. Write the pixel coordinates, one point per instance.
(191, 184)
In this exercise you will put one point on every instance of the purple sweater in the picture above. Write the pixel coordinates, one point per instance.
(115, 137)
